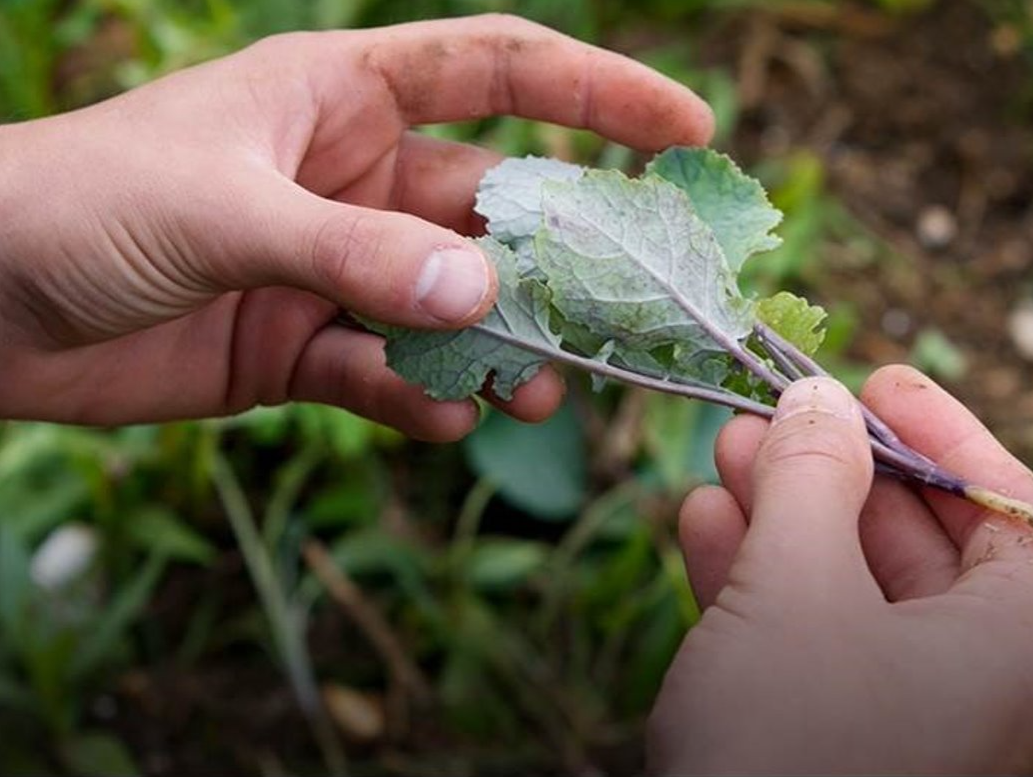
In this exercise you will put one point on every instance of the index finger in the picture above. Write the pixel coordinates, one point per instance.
(495, 64)
(932, 421)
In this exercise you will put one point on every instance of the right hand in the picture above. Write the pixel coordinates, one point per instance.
(850, 628)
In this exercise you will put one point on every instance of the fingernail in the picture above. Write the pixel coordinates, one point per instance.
(816, 395)
(452, 283)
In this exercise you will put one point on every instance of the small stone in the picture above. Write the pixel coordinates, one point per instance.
(359, 715)
(1006, 40)
(936, 227)
(896, 323)
(64, 556)
(1020, 328)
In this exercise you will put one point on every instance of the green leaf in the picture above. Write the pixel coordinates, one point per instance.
(14, 580)
(159, 529)
(510, 195)
(502, 564)
(935, 355)
(795, 319)
(32, 511)
(629, 260)
(113, 622)
(625, 280)
(680, 436)
(354, 500)
(510, 198)
(542, 469)
(454, 365)
(658, 633)
(731, 202)
(97, 754)
(372, 551)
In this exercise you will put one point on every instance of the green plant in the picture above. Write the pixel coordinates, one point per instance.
(71, 592)
(634, 280)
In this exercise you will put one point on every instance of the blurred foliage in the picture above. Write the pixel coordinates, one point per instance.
(531, 573)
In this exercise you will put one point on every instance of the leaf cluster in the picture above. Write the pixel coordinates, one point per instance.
(632, 279)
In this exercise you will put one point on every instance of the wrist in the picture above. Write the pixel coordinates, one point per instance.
(22, 248)
(44, 229)
(12, 163)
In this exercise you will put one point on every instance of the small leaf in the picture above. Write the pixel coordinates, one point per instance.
(795, 319)
(541, 469)
(680, 436)
(14, 579)
(119, 613)
(159, 529)
(602, 355)
(630, 261)
(510, 195)
(510, 198)
(454, 365)
(658, 630)
(934, 354)
(731, 202)
(373, 551)
(499, 564)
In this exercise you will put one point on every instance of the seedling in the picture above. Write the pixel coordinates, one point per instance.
(635, 279)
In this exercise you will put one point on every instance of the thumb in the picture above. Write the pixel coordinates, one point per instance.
(811, 477)
(392, 267)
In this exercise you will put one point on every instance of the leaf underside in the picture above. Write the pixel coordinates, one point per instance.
(634, 274)
(456, 364)
(734, 205)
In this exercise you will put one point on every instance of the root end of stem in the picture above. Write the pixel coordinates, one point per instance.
(1000, 503)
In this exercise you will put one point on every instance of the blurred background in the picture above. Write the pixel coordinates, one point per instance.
(298, 591)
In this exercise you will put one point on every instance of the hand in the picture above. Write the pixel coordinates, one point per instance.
(184, 249)
(900, 643)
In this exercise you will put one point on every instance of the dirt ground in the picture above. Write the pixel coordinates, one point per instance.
(924, 126)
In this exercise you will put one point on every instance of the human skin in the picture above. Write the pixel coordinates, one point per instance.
(851, 628)
(184, 249)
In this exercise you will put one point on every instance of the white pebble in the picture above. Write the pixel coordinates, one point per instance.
(63, 556)
(1020, 327)
(896, 322)
(936, 226)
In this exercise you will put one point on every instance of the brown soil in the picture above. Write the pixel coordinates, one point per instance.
(923, 124)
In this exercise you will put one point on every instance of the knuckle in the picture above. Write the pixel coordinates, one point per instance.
(273, 47)
(509, 23)
(513, 34)
(811, 444)
(336, 246)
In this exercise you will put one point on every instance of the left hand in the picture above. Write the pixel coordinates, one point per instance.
(182, 250)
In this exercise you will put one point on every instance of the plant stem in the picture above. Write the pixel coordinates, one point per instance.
(285, 621)
(895, 456)
(715, 395)
(888, 450)
(789, 368)
(726, 341)
(776, 344)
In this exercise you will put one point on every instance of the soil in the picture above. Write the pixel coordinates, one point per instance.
(923, 125)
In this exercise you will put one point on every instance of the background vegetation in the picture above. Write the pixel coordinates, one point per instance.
(296, 590)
